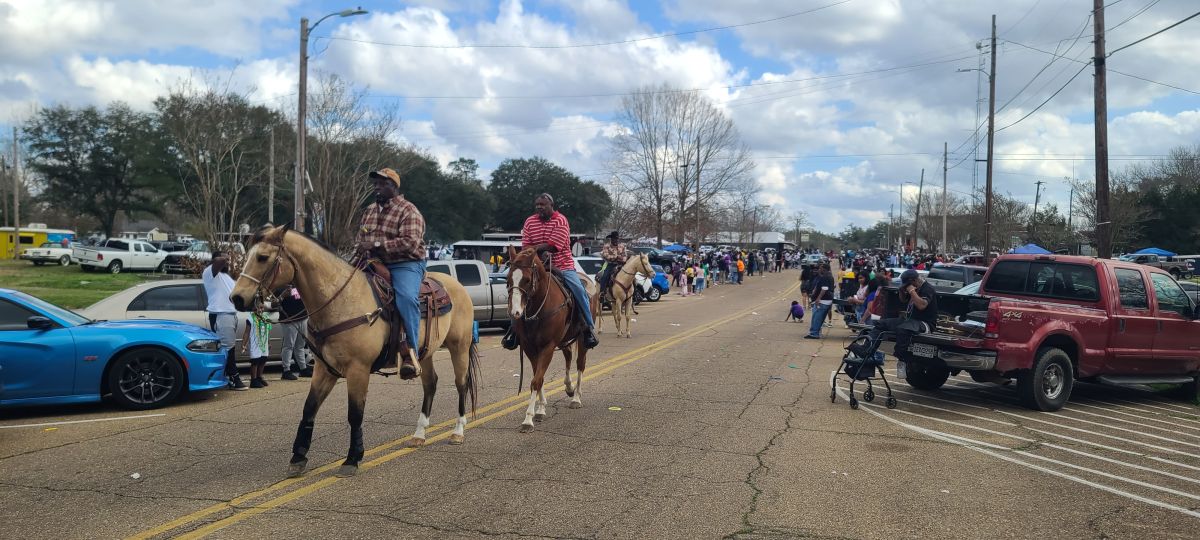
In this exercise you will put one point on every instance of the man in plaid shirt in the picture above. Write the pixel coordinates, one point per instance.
(393, 231)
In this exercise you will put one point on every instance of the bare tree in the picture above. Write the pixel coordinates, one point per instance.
(348, 140)
(671, 140)
(219, 140)
(1126, 213)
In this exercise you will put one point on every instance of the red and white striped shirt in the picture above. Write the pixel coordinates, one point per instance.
(555, 232)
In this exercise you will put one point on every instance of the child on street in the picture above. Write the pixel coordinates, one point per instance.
(256, 339)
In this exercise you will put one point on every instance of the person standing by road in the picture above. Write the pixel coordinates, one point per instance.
(222, 316)
(295, 326)
(822, 295)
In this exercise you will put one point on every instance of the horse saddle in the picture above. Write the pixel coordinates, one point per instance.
(433, 301)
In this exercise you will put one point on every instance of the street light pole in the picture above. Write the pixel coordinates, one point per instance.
(302, 112)
(987, 209)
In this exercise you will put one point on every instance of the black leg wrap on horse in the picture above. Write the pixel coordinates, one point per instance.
(304, 433)
(355, 416)
(427, 402)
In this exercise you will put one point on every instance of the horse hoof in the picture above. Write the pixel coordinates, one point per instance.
(576, 405)
(296, 470)
(526, 428)
(456, 439)
(346, 471)
(416, 443)
(539, 417)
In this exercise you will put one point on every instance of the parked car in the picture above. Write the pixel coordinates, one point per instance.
(116, 255)
(170, 245)
(813, 259)
(951, 277)
(197, 255)
(660, 281)
(658, 256)
(489, 292)
(181, 300)
(1177, 269)
(897, 271)
(1192, 289)
(1050, 320)
(48, 252)
(52, 355)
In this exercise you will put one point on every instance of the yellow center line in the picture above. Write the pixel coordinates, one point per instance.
(549, 389)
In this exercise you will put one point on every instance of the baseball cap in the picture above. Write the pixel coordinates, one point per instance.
(386, 173)
(909, 276)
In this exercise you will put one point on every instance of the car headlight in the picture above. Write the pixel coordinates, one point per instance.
(205, 345)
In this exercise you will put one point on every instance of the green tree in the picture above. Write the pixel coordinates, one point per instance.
(98, 164)
(455, 206)
(516, 182)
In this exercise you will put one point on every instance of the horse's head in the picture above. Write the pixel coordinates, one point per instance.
(268, 267)
(643, 266)
(524, 273)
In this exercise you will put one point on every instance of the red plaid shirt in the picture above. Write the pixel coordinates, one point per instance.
(398, 226)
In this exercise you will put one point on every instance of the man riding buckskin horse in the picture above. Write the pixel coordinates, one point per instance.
(548, 231)
(393, 230)
(614, 255)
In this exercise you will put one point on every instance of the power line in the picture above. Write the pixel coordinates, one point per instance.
(1134, 16)
(1056, 92)
(588, 45)
(1048, 64)
(1186, 19)
(1110, 69)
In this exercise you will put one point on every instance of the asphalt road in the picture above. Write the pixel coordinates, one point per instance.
(713, 421)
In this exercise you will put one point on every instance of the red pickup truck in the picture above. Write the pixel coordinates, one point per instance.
(1050, 320)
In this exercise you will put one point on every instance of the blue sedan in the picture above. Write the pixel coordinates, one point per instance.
(50, 355)
(660, 280)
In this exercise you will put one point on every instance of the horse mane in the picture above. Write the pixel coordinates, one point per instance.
(261, 234)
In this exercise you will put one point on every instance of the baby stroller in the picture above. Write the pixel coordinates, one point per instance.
(863, 362)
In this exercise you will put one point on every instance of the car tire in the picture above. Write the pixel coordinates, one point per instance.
(65, 260)
(925, 377)
(145, 378)
(654, 295)
(1047, 386)
(161, 266)
(115, 267)
(1175, 274)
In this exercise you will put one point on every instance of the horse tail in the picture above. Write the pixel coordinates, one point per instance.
(473, 375)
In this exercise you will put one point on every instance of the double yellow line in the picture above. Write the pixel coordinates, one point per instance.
(390, 450)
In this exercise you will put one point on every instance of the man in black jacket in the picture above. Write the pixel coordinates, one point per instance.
(293, 358)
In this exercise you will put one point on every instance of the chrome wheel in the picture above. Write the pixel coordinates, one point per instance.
(1052, 381)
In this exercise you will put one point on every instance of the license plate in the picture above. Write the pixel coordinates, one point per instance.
(922, 350)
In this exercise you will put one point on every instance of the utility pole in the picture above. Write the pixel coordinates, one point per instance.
(16, 182)
(698, 238)
(891, 219)
(1033, 221)
(1103, 222)
(271, 181)
(917, 216)
(4, 189)
(1070, 215)
(682, 222)
(301, 131)
(987, 207)
(945, 169)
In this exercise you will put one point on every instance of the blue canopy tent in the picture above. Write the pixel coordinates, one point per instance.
(678, 248)
(1030, 249)
(1154, 251)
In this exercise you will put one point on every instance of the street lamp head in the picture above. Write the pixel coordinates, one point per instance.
(352, 12)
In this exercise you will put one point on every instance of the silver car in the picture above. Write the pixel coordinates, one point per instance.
(181, 300)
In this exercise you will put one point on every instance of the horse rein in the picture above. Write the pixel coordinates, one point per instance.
(274, 272)
(528, 294)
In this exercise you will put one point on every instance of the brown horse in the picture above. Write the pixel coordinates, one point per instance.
(622, 290)
(335, 292)
(544, 319)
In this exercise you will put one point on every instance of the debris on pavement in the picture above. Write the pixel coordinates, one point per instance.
(135, 476)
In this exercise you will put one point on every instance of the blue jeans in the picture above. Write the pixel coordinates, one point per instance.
(406, 279)
(818, 318)
(572, 281)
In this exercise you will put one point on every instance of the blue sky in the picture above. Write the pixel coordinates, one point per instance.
(885, 126)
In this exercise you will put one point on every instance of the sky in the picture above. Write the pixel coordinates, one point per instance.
(840, 101)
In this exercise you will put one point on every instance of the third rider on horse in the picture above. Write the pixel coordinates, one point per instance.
(614, 255)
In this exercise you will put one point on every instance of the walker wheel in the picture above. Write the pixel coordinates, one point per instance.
(869, 395)
(891, 403)
(853, 403)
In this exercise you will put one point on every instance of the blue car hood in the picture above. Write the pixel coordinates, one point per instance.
(151, 324)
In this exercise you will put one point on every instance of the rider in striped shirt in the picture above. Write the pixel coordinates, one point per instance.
(548, 231)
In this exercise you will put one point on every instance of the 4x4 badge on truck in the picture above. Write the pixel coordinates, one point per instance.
(1011, 315)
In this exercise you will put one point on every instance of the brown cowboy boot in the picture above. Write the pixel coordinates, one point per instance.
(409, 368)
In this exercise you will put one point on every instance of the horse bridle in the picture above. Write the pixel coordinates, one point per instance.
(528, 294)
(262, 291)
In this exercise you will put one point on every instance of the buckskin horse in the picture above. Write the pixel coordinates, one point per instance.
(622, 290)
(336, 293)
(544, 319)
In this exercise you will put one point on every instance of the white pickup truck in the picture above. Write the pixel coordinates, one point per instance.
(116, 255)
(48, 252)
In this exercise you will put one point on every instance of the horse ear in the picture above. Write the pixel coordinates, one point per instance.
(512, 252)
(286, 227)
